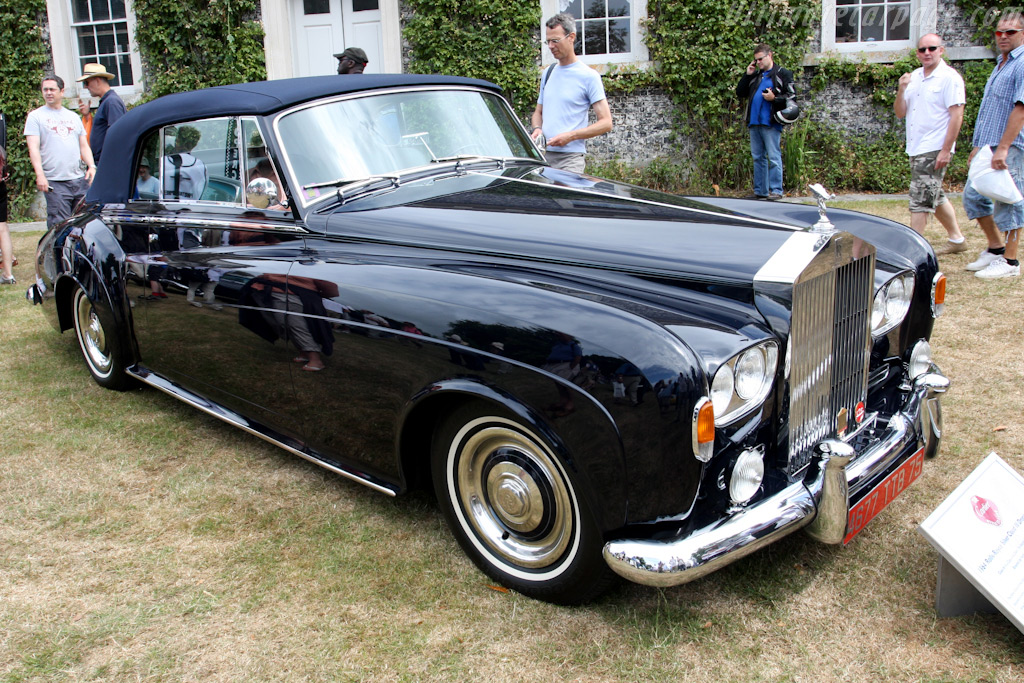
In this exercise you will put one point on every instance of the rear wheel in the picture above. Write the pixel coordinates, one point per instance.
(99, 342)
(515, 509)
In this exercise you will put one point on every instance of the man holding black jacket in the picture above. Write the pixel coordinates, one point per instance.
(765, 86)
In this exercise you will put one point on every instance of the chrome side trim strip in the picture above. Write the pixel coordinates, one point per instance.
(237, 222)
(234, 419)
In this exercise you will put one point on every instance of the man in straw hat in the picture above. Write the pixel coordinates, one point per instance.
(96, 79)
(352, 61)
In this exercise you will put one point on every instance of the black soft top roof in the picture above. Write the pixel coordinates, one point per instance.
(113, 181)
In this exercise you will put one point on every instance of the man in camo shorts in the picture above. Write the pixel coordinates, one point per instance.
(932, 100)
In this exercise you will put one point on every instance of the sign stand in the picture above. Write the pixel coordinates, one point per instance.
(955, 596)
(979, 533)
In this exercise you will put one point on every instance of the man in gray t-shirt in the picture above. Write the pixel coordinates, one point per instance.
(57, 147)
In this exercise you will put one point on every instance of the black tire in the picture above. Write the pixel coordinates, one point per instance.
(99, 342)
(515, 508)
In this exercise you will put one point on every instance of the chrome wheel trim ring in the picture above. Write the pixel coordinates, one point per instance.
(91, 335)
(513, 498)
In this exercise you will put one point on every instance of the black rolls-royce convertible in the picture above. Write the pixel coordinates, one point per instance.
(381, 275)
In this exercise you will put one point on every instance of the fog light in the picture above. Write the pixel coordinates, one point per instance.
(920, 359)
(747, 475)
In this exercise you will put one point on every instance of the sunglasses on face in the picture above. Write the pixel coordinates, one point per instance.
(1008, 33)
(927, 48)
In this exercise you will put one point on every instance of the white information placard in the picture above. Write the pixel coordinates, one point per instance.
(979, 529)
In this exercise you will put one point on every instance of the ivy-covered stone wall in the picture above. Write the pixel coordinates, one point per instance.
(26, 57)
(643, 129)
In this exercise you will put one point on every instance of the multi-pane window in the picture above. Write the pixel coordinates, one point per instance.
(869, 21)
(602, 26)
(101, 35)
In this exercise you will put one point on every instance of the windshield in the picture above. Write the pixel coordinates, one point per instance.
(384, 134)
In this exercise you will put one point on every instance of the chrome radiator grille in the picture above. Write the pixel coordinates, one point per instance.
(830, 350)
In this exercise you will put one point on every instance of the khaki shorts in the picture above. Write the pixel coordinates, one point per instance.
(566, 161)
(926, 193)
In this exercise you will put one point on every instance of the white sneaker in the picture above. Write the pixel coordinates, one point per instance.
(984, 258)
(997, 269)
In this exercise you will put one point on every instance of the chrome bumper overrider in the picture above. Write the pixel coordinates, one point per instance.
(820, 502)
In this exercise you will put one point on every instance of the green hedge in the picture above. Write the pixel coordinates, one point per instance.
(191, 44)
(21, 69)
(489, 39)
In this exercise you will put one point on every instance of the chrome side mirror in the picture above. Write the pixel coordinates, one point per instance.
(261, 193)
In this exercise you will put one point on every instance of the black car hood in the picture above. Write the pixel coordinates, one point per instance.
(535, 213)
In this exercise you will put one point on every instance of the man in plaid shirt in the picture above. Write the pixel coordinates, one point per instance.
(998, 125)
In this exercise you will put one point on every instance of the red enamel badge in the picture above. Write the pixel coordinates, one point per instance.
(986, 510)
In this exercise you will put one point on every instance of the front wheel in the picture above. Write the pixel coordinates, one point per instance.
(99, 342)
(514, 507)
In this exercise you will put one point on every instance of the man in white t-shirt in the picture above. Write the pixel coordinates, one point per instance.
(567, 92)
(58, 148)
(932, 100)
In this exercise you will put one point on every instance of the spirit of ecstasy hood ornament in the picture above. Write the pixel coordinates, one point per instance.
(822, 195)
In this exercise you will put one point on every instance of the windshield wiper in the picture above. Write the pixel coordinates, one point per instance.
(359, 188)
(348, 181)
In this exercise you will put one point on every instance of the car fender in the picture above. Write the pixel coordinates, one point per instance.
(602, 474)
(91, 258)
(630, 450)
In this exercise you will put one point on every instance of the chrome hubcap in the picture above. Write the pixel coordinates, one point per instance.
(514, 496)
(92, 336)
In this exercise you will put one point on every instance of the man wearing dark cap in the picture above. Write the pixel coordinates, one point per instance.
(352, 61)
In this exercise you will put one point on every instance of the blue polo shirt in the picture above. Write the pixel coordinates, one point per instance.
(110, 110)
(1004, 89)
(760, 108)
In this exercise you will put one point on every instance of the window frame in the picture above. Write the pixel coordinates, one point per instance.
(158, 161)
(76, 43)
(637, 37)
(922, 21)
(66, 60)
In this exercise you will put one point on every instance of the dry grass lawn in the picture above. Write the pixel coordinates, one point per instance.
(143, 540)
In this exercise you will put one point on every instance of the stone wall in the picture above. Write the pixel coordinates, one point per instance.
(956, 29)
(846, 107)
(642, 129)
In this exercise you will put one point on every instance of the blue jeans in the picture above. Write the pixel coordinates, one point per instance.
(1006, 216)
(766, 148)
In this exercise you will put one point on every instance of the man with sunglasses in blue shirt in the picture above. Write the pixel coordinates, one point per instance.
(999, 123)
(932, 99)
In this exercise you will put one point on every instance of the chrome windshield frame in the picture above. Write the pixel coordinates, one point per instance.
(305, 203)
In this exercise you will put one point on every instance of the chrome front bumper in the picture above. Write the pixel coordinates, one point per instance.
(821, 502)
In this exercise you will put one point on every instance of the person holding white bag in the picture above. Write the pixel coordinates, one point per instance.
(999, 123)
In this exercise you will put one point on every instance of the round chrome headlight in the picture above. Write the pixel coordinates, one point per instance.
(891, 304)
(749, 373)
(895, 299)
(878, 310)
(920, 359)
(721, 389)
(747, 476)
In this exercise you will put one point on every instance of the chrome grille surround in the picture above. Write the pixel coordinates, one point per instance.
(832, 279)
